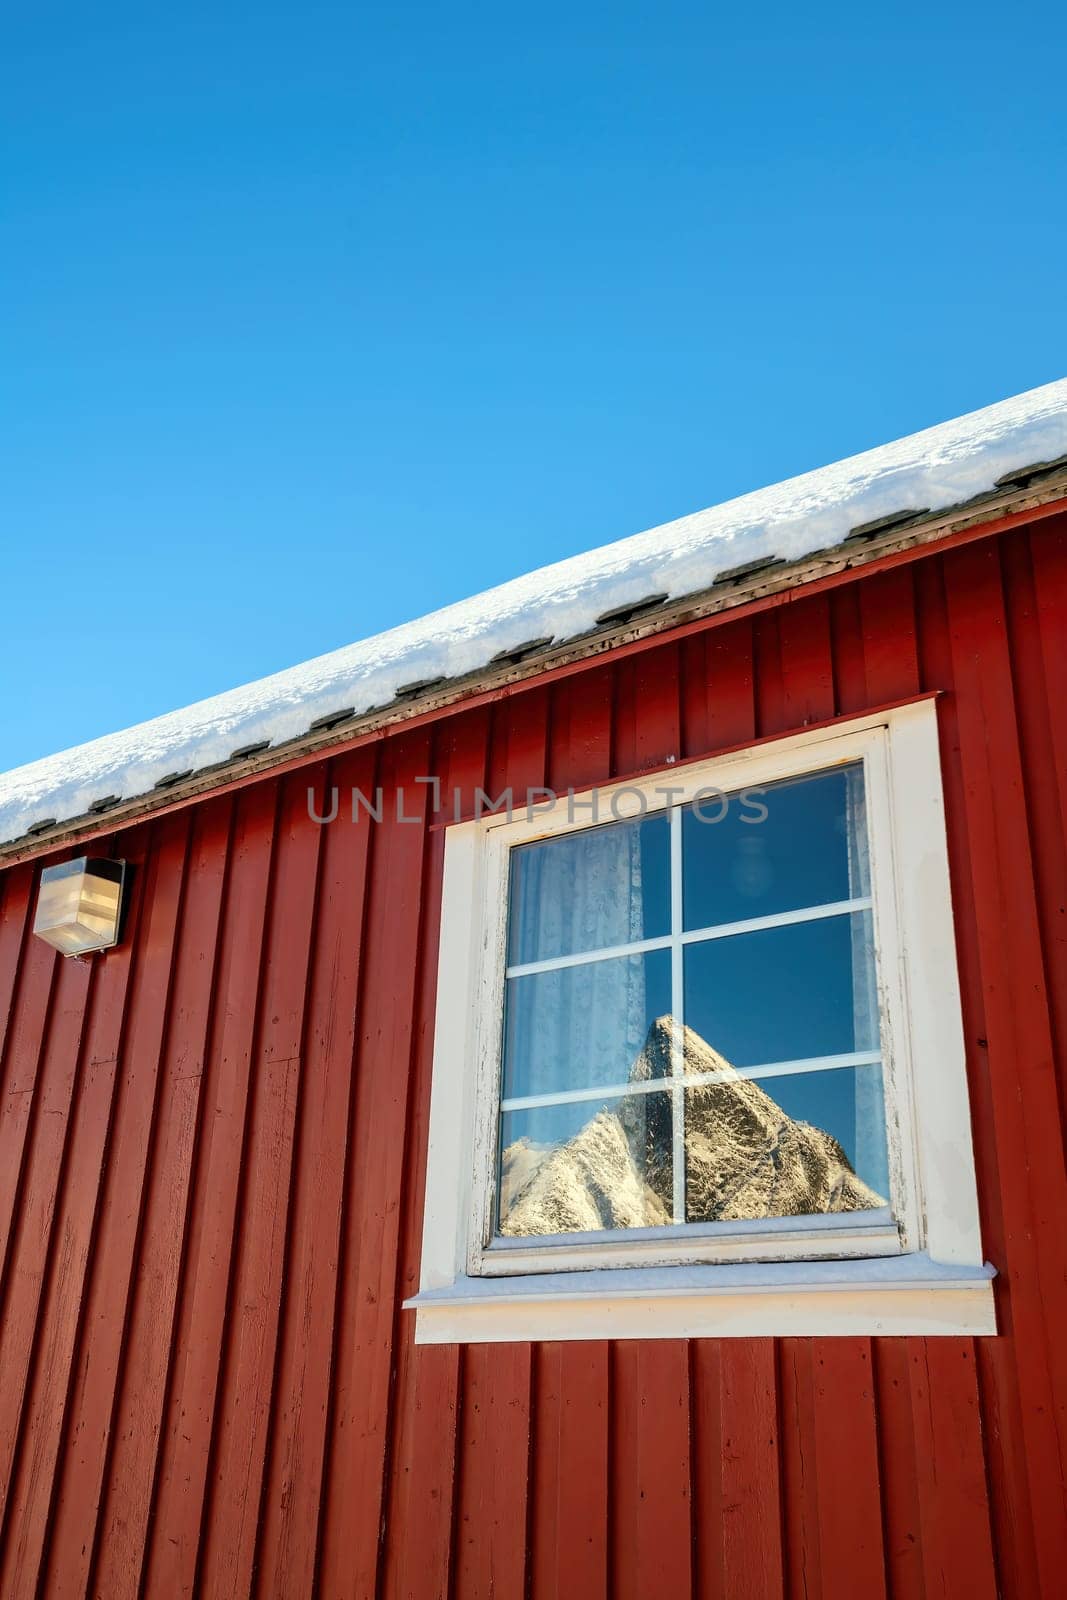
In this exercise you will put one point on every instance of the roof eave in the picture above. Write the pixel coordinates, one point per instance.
(986, 514)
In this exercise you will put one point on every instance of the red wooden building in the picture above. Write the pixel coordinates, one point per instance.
(739, 1246)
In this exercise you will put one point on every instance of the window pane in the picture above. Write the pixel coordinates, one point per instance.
(809, 849)
(785, 994)
(581, 1168)
(575, 1027)
(785, 1146)
(590, 890)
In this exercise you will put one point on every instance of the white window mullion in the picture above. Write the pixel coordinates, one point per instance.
(694, 1080)
(585, 958)
(677, 1017)
(722, 930)
(778, 919)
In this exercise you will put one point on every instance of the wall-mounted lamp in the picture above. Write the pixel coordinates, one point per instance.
(79, 905)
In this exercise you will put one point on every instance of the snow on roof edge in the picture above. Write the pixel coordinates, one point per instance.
(939, 467)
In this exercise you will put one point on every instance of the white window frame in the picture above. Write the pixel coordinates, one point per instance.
(915, 1266)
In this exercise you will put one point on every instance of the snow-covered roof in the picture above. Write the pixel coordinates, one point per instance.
(931, 470)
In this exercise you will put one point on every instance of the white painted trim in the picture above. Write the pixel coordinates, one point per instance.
(450, 1148)
(901, 1295)
(933, 1190)
(791, 756)
(932, 1094)
(677, 1025)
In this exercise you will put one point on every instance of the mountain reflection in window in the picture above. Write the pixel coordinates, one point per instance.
(691, 1030)
(745, 1156)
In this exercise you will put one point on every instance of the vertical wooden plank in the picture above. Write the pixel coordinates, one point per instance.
(105, 1309)
(846, 1465)
(887, 606)
(658, 741)
(579, 746)
(846, 634)
(736, 1474)
(419, 1542)
(1043, 748)
(624, 1500)
(751, 1491)
(192, 1394)
(624, 718)
(490, 1556)
(957, 1545)
(730, 688)
(709, 1530)
(996, 1359)
(520, 762)
(362, 1383)
(16, 899)
(243, 1414)
(731, 685)
(136, 1423)
(1048, 551)
(771, 712)
(807, 662)
(545, 1461)
(285, 1562)
(569, 1470)
(31, 1489)
(901, 1514)
(651, 1501)
(25, 1043)
(1034, 577)
(422, 1466)
(581, 1510)
(582, 1484)
(21, 1287)
(800, 1482)
(937, 673)
(696, 738)
(1025, 1102)
(517, 746)
(935, 1506)
(1014, 1548)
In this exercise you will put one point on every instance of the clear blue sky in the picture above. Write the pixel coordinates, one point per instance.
(317, 317)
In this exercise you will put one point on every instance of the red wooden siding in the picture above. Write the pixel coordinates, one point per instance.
(211, 1184)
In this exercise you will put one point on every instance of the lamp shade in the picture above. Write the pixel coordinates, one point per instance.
(79, 905)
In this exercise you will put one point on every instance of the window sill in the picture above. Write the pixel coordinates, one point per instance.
(830, 1238)
(890, 1295)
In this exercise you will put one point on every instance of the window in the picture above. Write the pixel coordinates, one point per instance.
(699, 1062)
